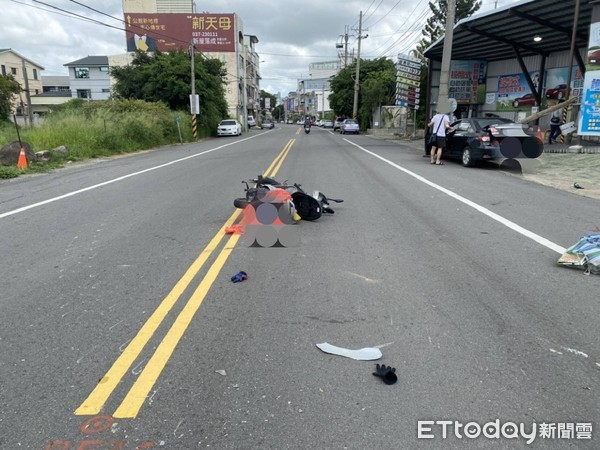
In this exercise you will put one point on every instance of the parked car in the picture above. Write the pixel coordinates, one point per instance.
(229, 127)
(328, 124)
(557, 92)
(251, 122)
(526, 100)
(476, 139)
(290, 121)
(268, 124)
(337, 123)
(349, 126)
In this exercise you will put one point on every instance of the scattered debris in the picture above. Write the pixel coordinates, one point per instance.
(363, 354)
(386, 373)
(577, 186)
(584, 255)
(240, 276)
(221, 372)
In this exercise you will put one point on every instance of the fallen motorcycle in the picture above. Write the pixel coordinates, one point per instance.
(308, 207)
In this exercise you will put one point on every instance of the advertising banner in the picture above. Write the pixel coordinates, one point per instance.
(556, 84)
(514, 93)
(208, 32)
(589, 117)
(467, 81)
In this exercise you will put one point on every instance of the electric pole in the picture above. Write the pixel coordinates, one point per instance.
(27, 94)
(357, 77)
(193, 97)
(443, 105)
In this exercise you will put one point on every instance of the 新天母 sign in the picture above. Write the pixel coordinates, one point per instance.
(164, 32)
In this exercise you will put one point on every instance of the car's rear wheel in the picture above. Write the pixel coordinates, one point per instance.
(467, 157)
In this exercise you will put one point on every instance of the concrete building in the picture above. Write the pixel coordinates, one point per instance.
(89, 78)
(315, 90)
(26, 72)
(56, 90)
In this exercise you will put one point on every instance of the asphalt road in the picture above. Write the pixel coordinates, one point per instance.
(121, 327)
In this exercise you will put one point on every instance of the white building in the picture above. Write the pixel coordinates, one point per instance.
(89, 78)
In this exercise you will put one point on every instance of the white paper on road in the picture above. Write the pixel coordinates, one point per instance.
(362, 354)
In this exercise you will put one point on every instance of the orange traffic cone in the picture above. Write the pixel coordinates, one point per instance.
(22, 162)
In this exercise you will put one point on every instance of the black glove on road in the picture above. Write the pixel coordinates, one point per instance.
(387, 374)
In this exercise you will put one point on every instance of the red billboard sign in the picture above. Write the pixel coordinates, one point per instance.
(208, 32)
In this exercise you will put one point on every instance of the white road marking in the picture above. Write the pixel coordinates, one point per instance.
(576, 352)
(124, 177)
(513, 226)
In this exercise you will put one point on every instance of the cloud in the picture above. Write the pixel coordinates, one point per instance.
(291, 33)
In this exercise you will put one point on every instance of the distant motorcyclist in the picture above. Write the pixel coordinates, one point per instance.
(307, 121)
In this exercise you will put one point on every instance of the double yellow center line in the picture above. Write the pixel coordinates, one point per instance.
(138, 393)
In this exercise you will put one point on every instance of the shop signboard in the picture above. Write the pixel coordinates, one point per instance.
(408, 77)
(466, 83)
(589, 117)
(514, 93)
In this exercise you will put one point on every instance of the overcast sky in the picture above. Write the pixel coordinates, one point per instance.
(291, 33)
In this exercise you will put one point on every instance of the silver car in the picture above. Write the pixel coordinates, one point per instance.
(349, 126)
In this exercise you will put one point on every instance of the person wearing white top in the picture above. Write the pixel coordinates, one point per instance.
(440, 124)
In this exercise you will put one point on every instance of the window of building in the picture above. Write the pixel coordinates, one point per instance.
(35, 74)
(84, 93)
(104, 69)
(13, 70)
(82, 72)
(3, 70)
(105, 90)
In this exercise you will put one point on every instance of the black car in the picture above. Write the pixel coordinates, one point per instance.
(477, 139)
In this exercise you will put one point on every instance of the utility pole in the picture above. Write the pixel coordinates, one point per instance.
(346, 48)
(443, 105)
(27, 94)
(193, 97)
(357, 77)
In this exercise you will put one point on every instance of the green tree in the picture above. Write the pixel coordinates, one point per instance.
(9, 88)
(435, 26)
(278, 112)
(166, 78)
(272, 102)
(377, 79)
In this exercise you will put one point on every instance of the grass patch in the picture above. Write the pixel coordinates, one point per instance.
(99, 129)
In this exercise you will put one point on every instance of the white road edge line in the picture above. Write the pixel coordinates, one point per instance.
(95, 186)
(513, 226)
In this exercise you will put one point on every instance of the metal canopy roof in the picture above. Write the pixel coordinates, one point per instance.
(507, 32)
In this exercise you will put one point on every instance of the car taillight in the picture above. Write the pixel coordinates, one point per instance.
(483, 138)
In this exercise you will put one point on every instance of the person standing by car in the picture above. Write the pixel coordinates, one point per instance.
(440, 124)
(555, 125)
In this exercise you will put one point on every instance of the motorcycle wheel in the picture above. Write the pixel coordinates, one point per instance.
(240, 202)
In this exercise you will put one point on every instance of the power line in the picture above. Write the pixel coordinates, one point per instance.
(370, 15)
(422, 15)
(385, 15)
(80, 17)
